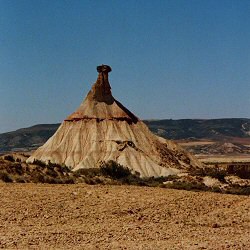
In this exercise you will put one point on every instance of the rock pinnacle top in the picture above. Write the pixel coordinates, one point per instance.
(103, 68)
(101, 90)
(100, 103)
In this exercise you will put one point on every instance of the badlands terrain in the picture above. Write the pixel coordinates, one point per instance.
(38, 216)
(82, 216)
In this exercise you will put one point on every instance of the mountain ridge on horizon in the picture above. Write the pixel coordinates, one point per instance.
(235, 130)
(144, 120)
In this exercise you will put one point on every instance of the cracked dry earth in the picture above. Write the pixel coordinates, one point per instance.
(34, 216)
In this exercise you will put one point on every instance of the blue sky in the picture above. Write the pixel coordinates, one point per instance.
(170, 59)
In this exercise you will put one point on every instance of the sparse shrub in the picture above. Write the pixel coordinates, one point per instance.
(238, 190)
(121, 174)
(158, 181)
(18, 160)
(51, 172)
(89, 181)
(37, 178)
(217, 173)
(56, 165)
(216, 189)
(9, 158)
(39, 163)
(88, 172)
(111, 173)
(48, 179)
(17, 169)
(187, 186)
(114, 170)
(25, 155)
(97, 180)
(20, 179)
(243, 171)
(4, 176)
(61, 169)
(69, 180)
(133, 180)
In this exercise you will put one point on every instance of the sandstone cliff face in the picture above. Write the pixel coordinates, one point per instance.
(102, 129)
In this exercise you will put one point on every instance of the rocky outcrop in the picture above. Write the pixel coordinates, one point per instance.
(100, 104)
(102, 129)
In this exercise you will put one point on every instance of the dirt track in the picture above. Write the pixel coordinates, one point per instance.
(120, 217)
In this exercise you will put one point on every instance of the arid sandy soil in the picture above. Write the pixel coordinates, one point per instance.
(36, 216)
(224, 158)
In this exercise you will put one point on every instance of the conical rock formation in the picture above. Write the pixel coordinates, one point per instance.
(102, 129)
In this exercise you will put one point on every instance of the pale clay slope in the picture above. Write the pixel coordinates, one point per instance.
(84, 144)
(102, 129)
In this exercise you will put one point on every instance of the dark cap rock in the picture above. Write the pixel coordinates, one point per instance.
(103, 68)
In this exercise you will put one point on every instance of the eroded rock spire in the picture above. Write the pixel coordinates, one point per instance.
(101, 90)
(102, 129)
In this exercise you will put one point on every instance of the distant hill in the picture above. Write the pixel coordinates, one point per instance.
(213, 129)
(220, 131)
(27, 138)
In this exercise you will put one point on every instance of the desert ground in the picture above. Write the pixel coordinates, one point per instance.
(80, 216)
(227, 159)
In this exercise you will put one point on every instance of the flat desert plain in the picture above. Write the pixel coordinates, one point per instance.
(39, 216)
